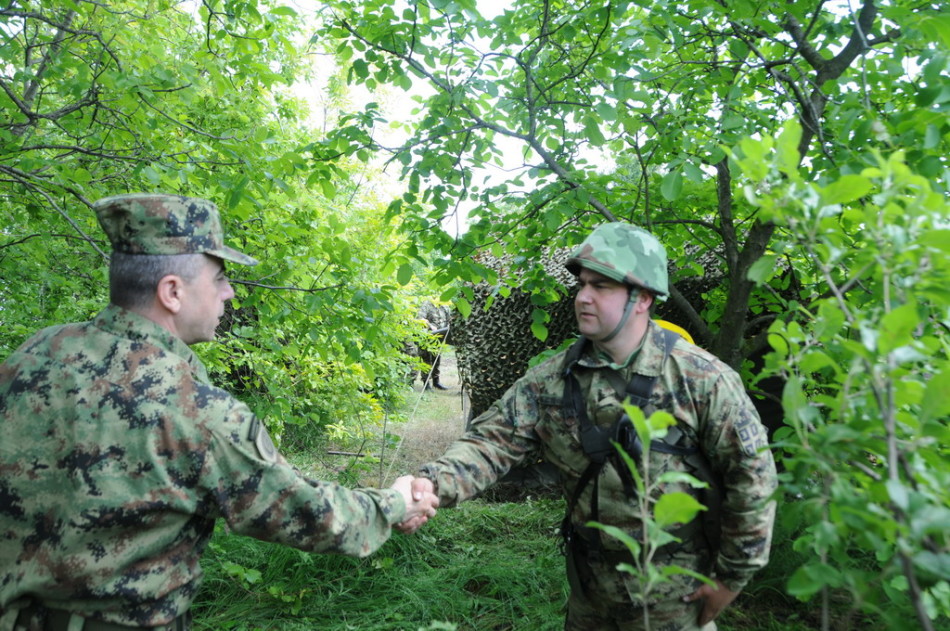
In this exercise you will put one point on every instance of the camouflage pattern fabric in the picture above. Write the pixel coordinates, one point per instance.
(710, 405)
(437, 316)
(146, 223)
(625, 253)
(669, 615)
(116, 458)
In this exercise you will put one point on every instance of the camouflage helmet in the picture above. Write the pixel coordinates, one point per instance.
(147, 223)
(624, 253)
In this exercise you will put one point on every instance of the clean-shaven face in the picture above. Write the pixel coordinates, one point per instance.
(599, 304)
(203, 302)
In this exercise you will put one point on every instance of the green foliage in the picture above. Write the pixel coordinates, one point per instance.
(550, 116)
(866, 371)
(196, 99)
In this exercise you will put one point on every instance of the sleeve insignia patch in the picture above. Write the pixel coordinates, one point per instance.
(262, 441)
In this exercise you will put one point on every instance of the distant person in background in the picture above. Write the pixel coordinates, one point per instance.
(118, 455)
(437, 319)
(568, 412)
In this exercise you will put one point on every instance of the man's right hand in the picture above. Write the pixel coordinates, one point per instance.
(421, 502)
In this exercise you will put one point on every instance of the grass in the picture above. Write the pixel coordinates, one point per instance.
(480, 566)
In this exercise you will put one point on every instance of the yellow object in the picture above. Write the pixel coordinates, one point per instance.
(676, 329)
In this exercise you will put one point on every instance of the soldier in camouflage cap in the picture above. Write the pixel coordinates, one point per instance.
(718, 436)
(118, 454)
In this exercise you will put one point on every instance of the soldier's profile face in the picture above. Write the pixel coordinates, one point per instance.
(203, 302)
(599, 304)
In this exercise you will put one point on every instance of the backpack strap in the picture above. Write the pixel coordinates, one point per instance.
(594, 440)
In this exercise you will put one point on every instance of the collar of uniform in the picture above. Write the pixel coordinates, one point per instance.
(134, 326)
(646, 359)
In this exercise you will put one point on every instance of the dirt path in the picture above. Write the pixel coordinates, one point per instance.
(436, 418)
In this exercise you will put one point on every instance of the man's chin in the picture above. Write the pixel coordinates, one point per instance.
(591, 330)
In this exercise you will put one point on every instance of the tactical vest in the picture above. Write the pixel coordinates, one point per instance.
(597, 445)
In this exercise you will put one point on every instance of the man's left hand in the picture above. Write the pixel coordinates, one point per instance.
(715, 599)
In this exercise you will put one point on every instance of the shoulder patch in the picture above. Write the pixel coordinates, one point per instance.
(751, 436)
(262, 441)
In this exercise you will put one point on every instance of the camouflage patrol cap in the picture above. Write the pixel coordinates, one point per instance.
(150, 223)
(624, 253)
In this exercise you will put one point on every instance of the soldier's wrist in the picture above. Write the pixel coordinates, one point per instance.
(429, 474)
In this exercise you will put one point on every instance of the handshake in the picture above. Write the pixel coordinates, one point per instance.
(421, 502)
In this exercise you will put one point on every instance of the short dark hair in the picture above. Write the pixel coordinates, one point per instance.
(133, 278)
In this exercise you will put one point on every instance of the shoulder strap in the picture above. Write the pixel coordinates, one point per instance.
(573, 354)
(594, 440)
(640, 386)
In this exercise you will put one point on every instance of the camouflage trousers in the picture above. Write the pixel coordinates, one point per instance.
(603, 598)
(671, 615)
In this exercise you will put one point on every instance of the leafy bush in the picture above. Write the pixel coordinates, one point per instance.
(867, 372)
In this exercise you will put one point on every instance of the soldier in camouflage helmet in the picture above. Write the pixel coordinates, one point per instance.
(118, 455)
(621, 271)
(436, 318)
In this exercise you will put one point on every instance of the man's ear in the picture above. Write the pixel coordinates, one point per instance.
(169, 292)
(644, 301)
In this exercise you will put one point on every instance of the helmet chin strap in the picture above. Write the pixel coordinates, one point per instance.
(627, 310)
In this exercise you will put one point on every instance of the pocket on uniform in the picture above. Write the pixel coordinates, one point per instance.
(559, 435)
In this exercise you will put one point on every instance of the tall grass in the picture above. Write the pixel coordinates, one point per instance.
(480, 566)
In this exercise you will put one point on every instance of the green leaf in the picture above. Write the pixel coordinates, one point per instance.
(676, 508)
(540, 330)
(762, 270)
(809, 579)
(936, 403)
(830, 320)
(592, 131)
(897, 328)
(675, 570)
(845, 189)
(787, 147)
(814, 361)
(405, 273)
(632, 544)
(898, 494)
(672, 185)
(935, 564)
(679, 477)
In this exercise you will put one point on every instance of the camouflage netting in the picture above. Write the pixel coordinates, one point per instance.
(493, 347)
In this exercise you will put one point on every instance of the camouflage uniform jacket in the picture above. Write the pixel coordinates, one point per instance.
(711, 407)
(117, 457)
